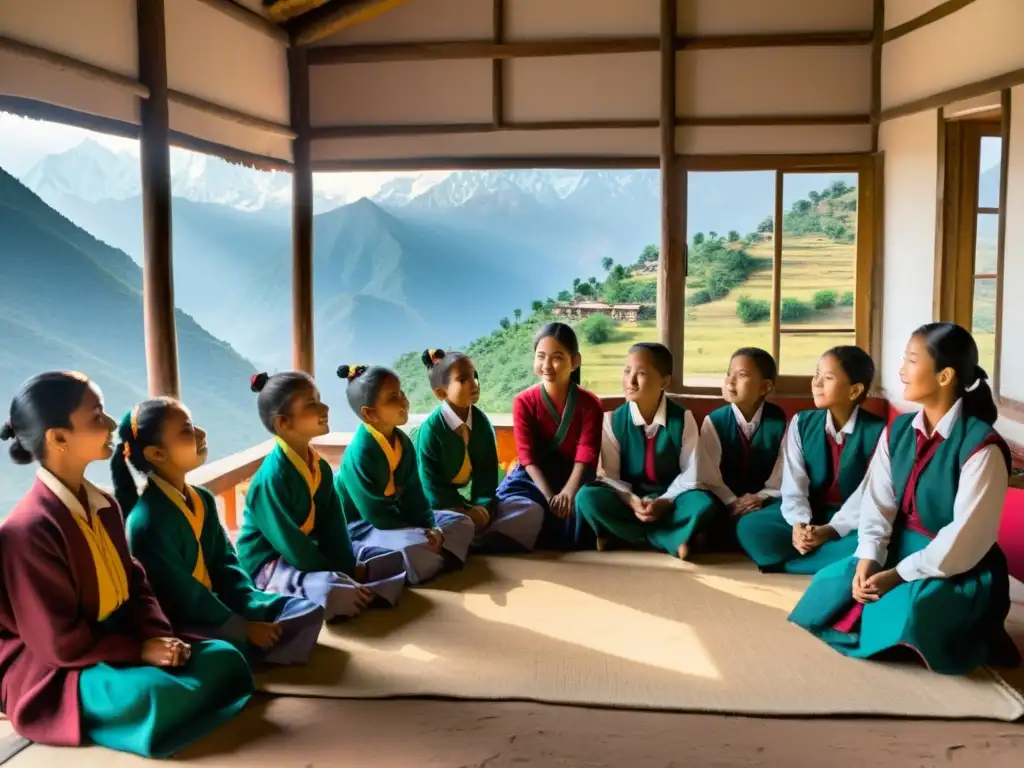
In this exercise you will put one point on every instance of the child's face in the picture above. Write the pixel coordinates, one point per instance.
(641, 382)
(831, 387)
(392, 406)
(182, 444)
(921, 382)
(463, 388)
(744, 385)
(553, 363)
(91, 437)
(307, 415)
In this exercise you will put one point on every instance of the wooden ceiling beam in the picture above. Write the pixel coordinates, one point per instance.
(251, 19)
(335, 16)
(523, 49)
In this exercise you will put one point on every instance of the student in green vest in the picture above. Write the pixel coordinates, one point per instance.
(825, 457)
(294, 539)
(928, 580)
(457, 454)
(379, 482)
(174, 531)
(647, 490)
(739, 459)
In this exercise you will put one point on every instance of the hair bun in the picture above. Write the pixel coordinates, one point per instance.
(432, 357)
(6, 431)
(351, 372)
(258, 381)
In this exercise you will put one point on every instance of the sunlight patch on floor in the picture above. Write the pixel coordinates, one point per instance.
(576, 617)
(782, 598)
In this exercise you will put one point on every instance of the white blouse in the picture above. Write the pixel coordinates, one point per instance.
(710, 459)
(611, 452)
(977, 509)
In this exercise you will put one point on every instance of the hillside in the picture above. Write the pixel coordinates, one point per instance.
(67, 301)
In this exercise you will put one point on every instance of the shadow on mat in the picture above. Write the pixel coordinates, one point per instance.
(243, 732)
(411, 607)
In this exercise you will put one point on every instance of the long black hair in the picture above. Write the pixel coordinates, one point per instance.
(364, 384)
(857, 365)
(44, 402)
(565, 336)
(276, 393)
(139, 429)
(439, 365)
(952, 346)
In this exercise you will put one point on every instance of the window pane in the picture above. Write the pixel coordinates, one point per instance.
(819, 260)
(985, 244)
(983, 321)
(68, 300)
(989, 171)
(729, 285)
(802, 350)
(477, 262)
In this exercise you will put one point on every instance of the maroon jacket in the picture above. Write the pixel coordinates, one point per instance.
(48, 603)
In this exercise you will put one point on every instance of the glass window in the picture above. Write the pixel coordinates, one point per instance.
(477, 261)
(983, 321)
(989, 168)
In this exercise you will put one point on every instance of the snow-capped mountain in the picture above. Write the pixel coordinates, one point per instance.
(89, 172)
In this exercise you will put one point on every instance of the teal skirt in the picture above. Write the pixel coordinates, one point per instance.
(155, 712)
(767, 539)
(951, 625)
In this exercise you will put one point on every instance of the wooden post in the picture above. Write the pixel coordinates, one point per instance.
(302, 214)
(671, 264)
(155, 160)
(1004, 172)
(498, 69)
(776, 309)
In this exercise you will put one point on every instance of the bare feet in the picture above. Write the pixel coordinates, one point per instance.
(683, 552)
(602, 543)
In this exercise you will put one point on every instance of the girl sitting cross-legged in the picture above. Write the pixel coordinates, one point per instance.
(927, 575)
(825, 456)
(174, 531)
(647, 493)
(458, 459)
(379, 484)
(86, 653)
(294, 540)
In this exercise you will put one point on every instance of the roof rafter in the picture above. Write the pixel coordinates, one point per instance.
(334, 16)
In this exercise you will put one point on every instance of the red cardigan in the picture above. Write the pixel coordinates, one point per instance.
(534, 428)
(48, 602)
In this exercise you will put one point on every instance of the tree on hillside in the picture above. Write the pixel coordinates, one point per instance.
(767, 225)
(698, 238)
(734, 236)
(619, 272)
(712, 235)
(649, 253)
(518, 314)
(585, 289)
(504, 323)
(549, 304)
(592, 281)
(802, 207)
(537, 306)
(576, 285)
(814, 197)
(564, 296)
(838, 188)
(607, 263)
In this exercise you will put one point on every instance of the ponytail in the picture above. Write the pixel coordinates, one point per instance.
(139, 429)
(126, 492)
(977, 398)
(577, 376)
(952, 346)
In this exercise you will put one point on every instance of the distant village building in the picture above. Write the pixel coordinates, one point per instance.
(628, 313)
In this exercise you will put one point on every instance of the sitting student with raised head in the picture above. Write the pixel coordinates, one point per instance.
(174, 531)
(825, 457)
(294, 540)
(646, 493)
(86, 653)
(458, 459)
(379, 482)
(740, 443)
(928, 578)
(557, 427)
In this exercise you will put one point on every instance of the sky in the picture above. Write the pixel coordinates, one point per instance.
(24, 142)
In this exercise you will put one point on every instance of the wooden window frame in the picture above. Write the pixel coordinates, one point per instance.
(866, 312)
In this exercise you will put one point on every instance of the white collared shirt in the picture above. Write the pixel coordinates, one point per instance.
(710, 458)
(94, 496)
(796, 506)
(611, 451)
(451, 418)
(977, 510)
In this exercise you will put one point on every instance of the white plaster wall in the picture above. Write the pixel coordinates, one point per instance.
(1012, 359)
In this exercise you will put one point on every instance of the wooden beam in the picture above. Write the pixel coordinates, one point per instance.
(851, 162)
(877, 34)
(877, 303)
(68, 64)
(487, 163)
(498, 68)
(1004, 174)
(302, 215)
(40, 110)
(231, 115)
(336, 16)
(773, 120)
(528, 49)
(155, 161)
(776, 308)
(229, 154)
(940, 11)
(940, 298)
(671, 288)
(953, 95)
(250, 19)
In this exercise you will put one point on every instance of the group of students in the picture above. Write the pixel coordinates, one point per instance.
(132, 622)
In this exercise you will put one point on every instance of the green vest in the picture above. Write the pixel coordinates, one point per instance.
(668, 443)
(440, 453)
(858, 448)
(749, 476)
(939, 481)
